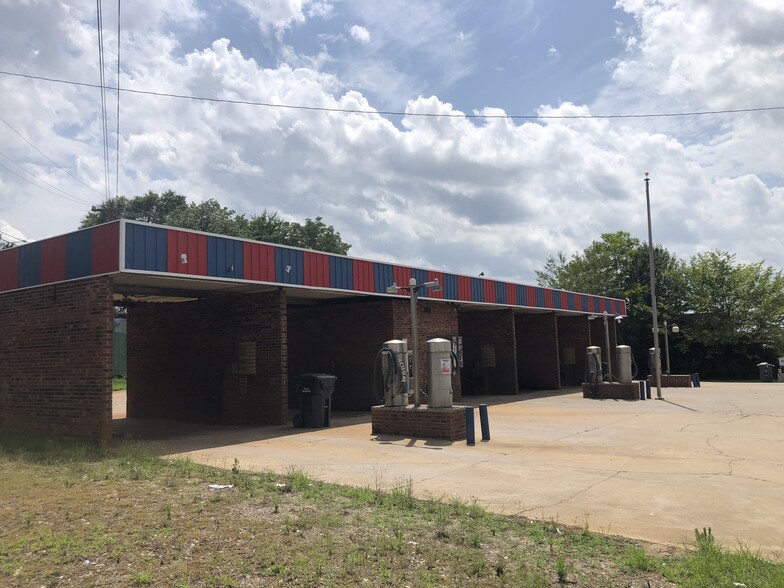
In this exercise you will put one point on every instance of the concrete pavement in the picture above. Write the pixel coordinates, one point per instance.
(652, 470)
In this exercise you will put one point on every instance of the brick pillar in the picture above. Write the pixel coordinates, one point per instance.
(56, 359)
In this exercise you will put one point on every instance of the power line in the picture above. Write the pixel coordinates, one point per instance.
(49, 158)
(400, 113)
(102, 76)
(16, 238)
(20, 166)
(68, 197)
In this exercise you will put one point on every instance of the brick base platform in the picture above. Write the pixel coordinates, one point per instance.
(615, 391)
(674, 381)
(422, 422)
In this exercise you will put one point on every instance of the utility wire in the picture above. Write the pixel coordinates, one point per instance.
(5, 235)
(71, 196)
(72, 199)
(101, 67)
(400, 113)
(49, 158)
(117, 134)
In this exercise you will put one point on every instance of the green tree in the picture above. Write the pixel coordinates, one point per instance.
(617, 266)
(731, 315)
(210, 216)
(735, 317)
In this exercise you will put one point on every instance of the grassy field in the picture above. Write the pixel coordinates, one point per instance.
(76, 515)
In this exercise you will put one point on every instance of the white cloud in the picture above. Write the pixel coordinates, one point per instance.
(360, 34)
(469, 195)
(279, 15)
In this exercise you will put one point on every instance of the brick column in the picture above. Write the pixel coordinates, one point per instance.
(56, 359)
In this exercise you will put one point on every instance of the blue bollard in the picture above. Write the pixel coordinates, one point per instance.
(470, 434)
(648, 388)
(483, 420)
(642, 390)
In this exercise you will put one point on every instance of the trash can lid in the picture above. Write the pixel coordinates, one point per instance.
(764, 364)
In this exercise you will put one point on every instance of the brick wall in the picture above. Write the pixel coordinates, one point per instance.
(495, 329)
(419, 423)
(572, 341)
(537, 351)
(56, 359)
(185, 361)
(343, 339)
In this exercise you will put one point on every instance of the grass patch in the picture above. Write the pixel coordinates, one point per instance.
(119, 383)
(77, 514)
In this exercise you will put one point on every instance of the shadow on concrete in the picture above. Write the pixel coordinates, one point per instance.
(180, 436)
(186, 436)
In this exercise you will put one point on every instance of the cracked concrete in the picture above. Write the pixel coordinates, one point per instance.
(649, 470)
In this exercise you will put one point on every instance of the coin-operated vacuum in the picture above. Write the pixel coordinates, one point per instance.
(593, 364)
(390, 374)
(441, 364)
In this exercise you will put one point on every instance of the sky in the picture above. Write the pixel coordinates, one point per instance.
(478, 168)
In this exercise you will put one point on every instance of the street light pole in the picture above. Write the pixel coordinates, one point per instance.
(656, 351)
(667, 346)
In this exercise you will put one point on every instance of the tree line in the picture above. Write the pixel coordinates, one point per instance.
(730, 314)
(172, 209)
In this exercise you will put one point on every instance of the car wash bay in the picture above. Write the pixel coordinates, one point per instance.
(218, 327)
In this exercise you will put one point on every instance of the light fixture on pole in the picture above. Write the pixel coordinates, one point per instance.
(655, 318)
(414, 289)
(675, 329)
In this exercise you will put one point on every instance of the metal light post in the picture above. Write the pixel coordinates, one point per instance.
(656, 351)
(414, 290)
(607, 345)
(675, 329)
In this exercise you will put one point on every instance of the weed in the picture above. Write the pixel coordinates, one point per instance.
(635, 559)
(235, 468)
(141, 579)
(561, 570)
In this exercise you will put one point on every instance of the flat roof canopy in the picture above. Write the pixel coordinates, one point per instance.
(153, 263)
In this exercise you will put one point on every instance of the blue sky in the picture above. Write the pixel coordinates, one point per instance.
(468, 195)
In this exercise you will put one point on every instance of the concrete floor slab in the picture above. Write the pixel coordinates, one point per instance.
(654, 470)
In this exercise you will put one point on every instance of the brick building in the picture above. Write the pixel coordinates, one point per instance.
(219, 327)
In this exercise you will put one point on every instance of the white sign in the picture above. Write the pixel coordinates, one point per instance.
(446, 367)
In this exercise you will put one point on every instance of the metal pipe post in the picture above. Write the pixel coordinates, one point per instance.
(415, 336)
(656, 352)
(607, 345)
(667, 347)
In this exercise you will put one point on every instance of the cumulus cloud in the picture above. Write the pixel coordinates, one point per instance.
(279, 15)
(360, 34)
(466, 194)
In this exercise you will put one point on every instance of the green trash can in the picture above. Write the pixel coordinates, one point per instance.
(765, 371)
(315, 400)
